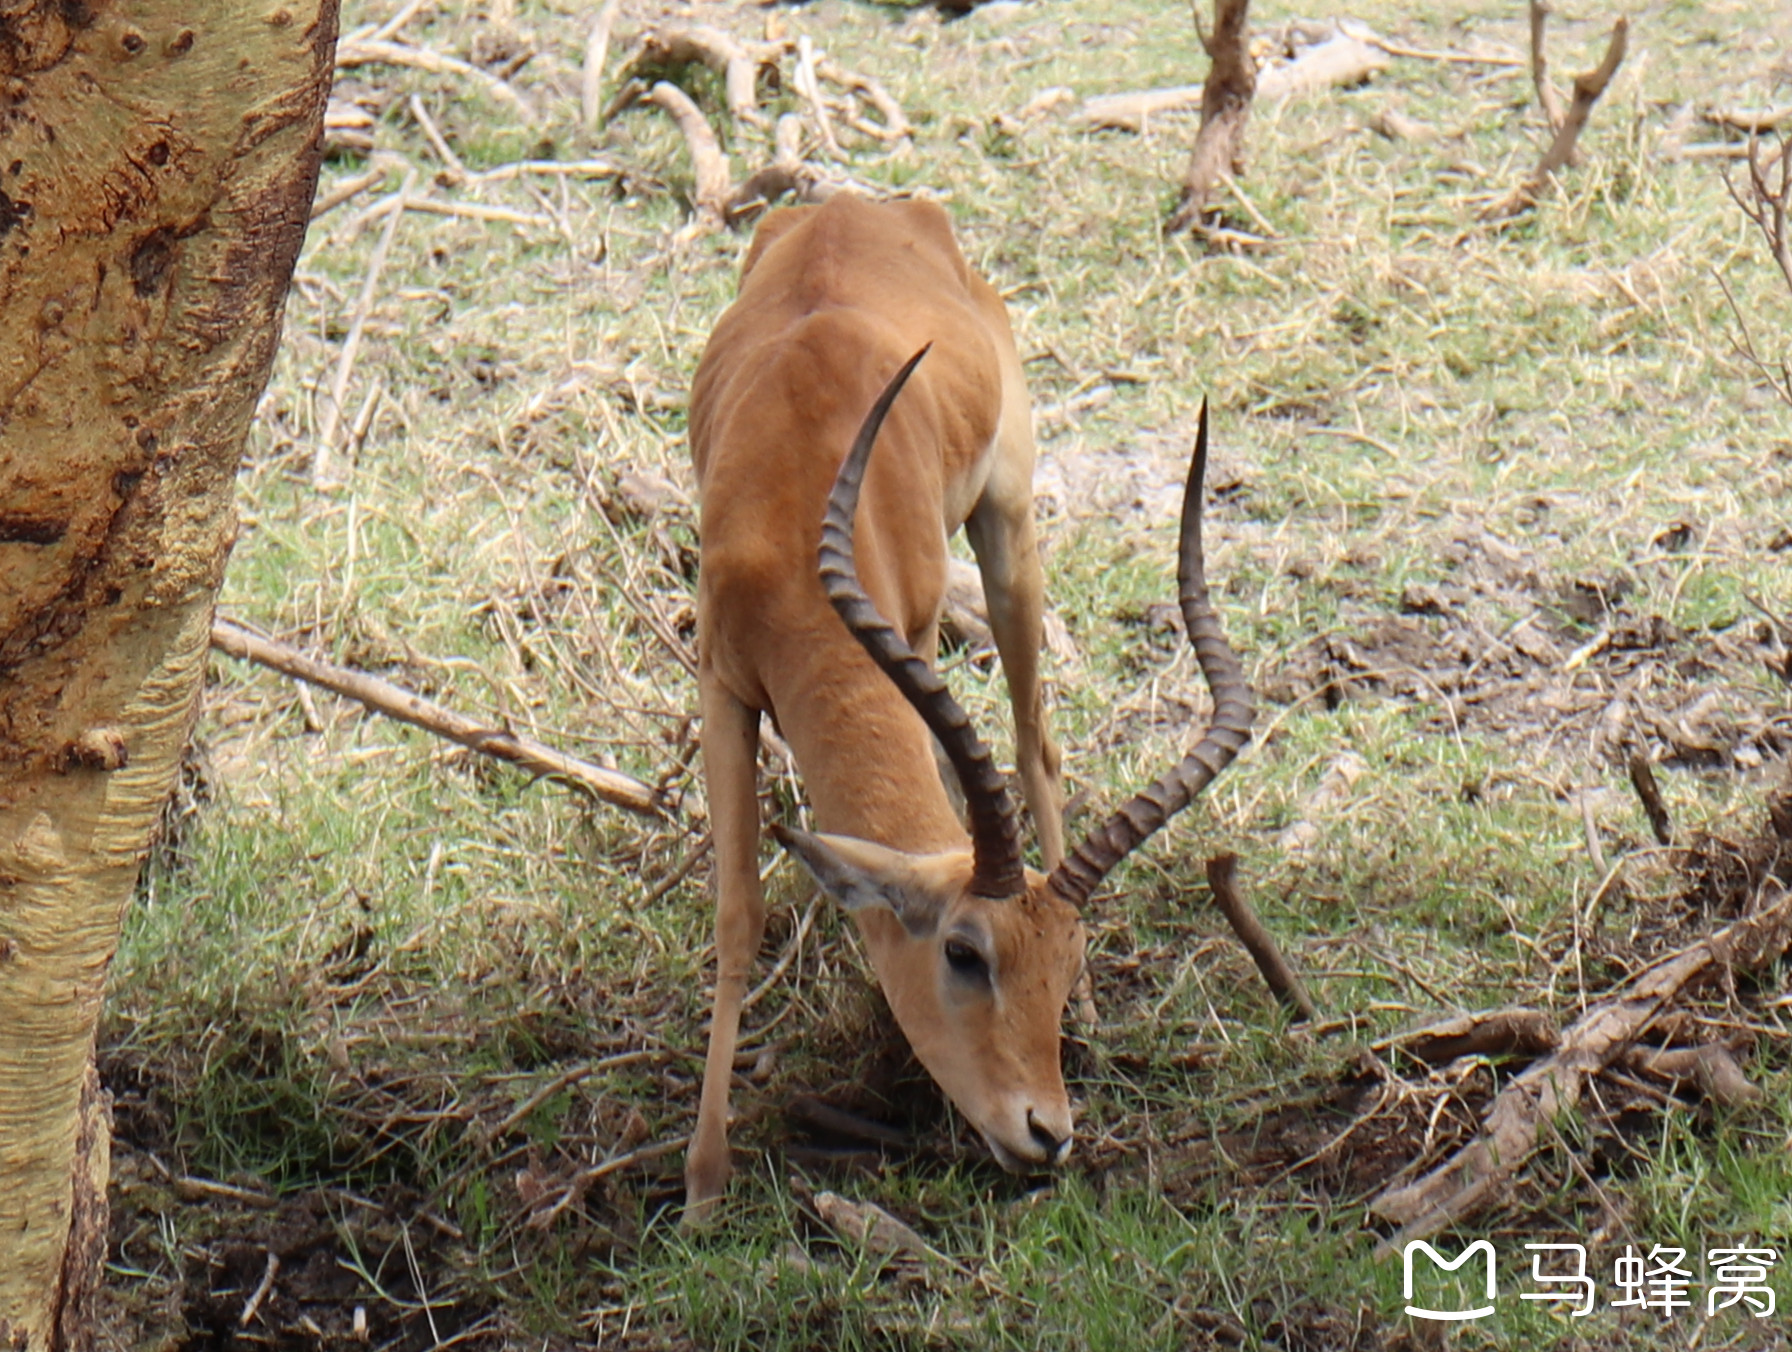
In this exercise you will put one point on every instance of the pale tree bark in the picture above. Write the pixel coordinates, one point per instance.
(157, 160)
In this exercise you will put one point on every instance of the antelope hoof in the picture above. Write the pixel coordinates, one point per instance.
(705, 1180)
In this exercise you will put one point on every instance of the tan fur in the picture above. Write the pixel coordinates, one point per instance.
(833, 299)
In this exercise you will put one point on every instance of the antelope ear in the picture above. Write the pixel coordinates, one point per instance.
(915, 888)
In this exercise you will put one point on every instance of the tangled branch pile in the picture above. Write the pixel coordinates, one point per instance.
(801, 143)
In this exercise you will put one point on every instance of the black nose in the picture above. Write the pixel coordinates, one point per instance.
(1052, 1145)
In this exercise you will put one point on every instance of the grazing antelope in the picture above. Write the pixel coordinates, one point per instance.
(975, 953)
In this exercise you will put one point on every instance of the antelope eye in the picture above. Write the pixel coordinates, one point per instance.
(964, 959)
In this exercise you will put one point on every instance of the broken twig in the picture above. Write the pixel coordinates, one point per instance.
(1530, 1103)
(1222, 877)
(1642, 779)
(1493, 1032)
(383, 697)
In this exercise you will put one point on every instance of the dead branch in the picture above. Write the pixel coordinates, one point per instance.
(1587, 89)
(1753, 121)
(1347, 56)
(323, 469)
(1225, 106)
(1547, 98)
(895, 125)
(825, 1117)
(739, 65)
(541, 1216)
(714, 183)
(378, 52)
(350, 188)
(1529, 1104)
(383, 697)
(1339, 62)
(1333, 788)
(718, 198)
(454, 170)
(1708, 150)
(347, 127)
(1131, 111)
(398, 202)
(1222, 877)
(1766, 203)
(1493, 1032)
(1364, 33)
(877, 1230)
(809, 86)
(591, 73)
(1642, 779)
(1709, 1068)
(1780, 382)
(260, 1294)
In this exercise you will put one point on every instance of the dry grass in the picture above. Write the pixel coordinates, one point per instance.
(1495, 509)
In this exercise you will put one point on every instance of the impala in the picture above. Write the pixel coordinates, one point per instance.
(976, 953)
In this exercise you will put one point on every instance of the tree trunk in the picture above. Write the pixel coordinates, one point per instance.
(1225, 106)
(157, 161)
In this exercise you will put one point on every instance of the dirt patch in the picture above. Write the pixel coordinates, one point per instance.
(1585, 666)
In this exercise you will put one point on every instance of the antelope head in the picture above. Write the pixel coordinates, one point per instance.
(985, 951)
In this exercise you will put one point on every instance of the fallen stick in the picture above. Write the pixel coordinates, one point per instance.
(473, 211)
(253, 1307)
(1345, 58)
(323, 457)
(591, 74)
(347, 127)
(432, 206)
(1334, 787)
(1129, 112)
(1753, 121)
(1642, 779)
(1222, 877)
(1709, 1068)
(383, 697)
(1363, 33)
(1529, 1104)
(1341, 61)
(593, 168)
(1494, 1032)
(809, 86)
(376, 52)
(451, 163)
(895, 122)
(392, 26)
(351, 188)
(738, 65)
(714, 184)
(1710, 150)
(581, 1182)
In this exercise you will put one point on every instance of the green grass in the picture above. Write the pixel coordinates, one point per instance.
(1464, 477)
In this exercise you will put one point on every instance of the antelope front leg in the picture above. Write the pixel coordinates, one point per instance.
(1001, 533)
(730, 774)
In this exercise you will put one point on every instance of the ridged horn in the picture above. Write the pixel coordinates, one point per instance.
(995, 834)
(1081, 873)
